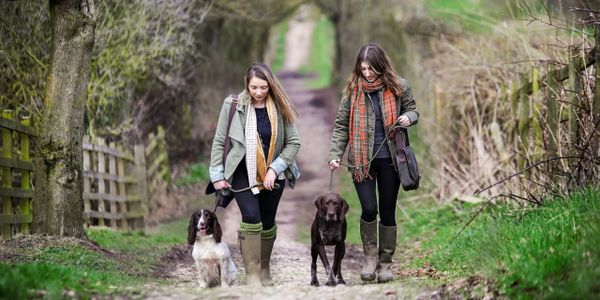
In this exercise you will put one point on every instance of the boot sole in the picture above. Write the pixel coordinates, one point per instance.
(384, 280)
(367, 277)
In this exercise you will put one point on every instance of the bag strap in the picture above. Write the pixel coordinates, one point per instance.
(229, 118)
(401, 138)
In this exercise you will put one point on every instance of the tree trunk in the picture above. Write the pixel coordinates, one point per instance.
(58, 205)
(596, 104)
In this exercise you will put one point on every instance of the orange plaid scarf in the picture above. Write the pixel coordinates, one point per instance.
(358, 123)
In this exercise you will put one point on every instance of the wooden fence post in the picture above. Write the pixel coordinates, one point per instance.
(523, 128)
(7, 148)
(538, 143)
(25, 203)
(112, 187)
(101, 183)
(140, 166)
(122, 188)
(553, 116)
(165, 173)
(573, 96)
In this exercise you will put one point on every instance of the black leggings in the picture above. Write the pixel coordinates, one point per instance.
(388, 183)
(256, 208)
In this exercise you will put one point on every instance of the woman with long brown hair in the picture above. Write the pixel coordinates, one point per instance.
(264, 143)
(375, 99)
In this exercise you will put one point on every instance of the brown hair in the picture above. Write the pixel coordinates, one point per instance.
(374, 55)
(284, 105)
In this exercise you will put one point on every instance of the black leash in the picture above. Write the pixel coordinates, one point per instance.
(226, 191)
(385, 140)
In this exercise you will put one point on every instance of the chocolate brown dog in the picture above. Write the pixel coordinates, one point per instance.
(329, 229)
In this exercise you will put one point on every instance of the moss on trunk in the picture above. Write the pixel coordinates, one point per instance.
(58, 205)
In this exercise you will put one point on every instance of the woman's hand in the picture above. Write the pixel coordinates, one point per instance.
(334, 164)
(221, 184)
(403, 121)
(269, 181)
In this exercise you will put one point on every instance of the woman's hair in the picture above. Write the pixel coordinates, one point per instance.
(373, 55)
(262, 71)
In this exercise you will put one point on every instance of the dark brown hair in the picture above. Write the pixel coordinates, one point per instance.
(374, 55)
(284, 105)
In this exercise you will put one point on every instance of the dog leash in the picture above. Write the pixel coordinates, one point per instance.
(387, 137)
(231, 189)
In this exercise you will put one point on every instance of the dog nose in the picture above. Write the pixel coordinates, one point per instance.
(331, 217)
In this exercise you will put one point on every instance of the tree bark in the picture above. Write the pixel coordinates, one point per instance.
(57, 204)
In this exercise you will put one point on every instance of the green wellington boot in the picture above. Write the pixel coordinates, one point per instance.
(368, 235)
(387, 246)
(249, 238)
(266, 248)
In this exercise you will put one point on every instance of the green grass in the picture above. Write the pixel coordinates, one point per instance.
(321, 56)
(348, 192)
(195, 173)
(75, 256)
(480, 16)
(138, 242)
(32, 280)
(53, 269)
(280, 32)
(545, 252)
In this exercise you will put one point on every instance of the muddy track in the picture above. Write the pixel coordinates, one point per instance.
(290, 262)
(291, 259)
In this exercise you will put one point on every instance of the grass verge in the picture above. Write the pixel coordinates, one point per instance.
(544, 252)
(55, 269)
(321, 55)
(195, 173)
(41, 280)
(279, 57)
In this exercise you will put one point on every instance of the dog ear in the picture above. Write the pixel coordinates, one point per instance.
(319, 205)
(345, 206)
(319, 202)
(217, 232)
(192, 229)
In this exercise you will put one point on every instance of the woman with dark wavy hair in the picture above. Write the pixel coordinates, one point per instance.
(264, 143)
(375, 98)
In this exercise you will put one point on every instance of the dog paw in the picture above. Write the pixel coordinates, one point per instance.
(314, 282)
(331, 283)
(341, 281)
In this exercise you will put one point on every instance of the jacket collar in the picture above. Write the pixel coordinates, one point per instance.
(243, 101)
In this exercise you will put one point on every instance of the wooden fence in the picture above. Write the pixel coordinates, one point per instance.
(528, 128)
(114, 187)
(158, 172)
(16, 168)
(119, 187)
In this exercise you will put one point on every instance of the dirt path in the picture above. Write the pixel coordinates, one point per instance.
(291, 259)
(315, 111)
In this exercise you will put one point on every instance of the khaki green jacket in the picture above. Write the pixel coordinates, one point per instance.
(286, 147)
(341, 132)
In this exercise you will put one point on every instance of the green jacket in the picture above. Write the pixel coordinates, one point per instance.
(286, 148)
(341, 132)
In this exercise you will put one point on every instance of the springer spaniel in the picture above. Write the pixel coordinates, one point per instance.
(212, 256)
